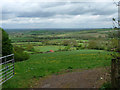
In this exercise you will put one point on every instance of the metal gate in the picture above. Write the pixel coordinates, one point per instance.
(6, 68)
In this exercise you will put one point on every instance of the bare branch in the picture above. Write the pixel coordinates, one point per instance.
(115, 3)
(113, 19)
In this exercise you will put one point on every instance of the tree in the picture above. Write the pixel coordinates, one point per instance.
(0, 43)
(70, 43)
(96, 44)
(115, 65)
(7, 47)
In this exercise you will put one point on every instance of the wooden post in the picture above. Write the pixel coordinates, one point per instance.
(113, 73)
(118, 61)
(118, 73)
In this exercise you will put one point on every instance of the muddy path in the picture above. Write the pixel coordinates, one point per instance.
(77, 79)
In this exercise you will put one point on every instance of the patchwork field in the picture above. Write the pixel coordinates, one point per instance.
(71, 50)
(38, 35)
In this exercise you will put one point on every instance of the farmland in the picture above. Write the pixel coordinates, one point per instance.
(36, 36)
(72, 49)
(45, 40)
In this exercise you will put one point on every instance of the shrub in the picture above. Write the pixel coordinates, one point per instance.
(70, 43)
(112, 45)
(67, 48)
(79, 47)
(20, 55)
(81, 41)
(60, 49)
(30, 47)
(96, 44)
(92, 44)
(70, 67)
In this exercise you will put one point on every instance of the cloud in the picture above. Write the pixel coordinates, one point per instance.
(50, 9)
(57, 14)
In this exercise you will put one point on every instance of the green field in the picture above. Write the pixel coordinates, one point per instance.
(40, 65)
(47, 48)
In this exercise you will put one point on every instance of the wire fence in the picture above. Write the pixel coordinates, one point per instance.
(7, 68)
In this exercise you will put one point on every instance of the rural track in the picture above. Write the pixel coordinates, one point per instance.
(77, 79)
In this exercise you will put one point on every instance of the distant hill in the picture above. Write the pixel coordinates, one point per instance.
(46, 29)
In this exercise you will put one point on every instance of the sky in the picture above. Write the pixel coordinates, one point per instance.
(57, 13)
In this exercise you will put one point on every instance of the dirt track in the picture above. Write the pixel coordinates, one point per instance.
(78, 79)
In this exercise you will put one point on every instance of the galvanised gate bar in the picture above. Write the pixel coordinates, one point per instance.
(7, 68)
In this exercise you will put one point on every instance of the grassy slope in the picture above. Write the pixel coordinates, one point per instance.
(40, 65)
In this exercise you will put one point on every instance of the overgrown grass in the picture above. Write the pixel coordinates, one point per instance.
(40, 65)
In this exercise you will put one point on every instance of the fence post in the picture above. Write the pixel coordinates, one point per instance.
(118, 76)
(114, 73)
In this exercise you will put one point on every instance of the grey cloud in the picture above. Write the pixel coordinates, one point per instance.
(60, 14)
(36, 14)
(8, 16)
(51, 9)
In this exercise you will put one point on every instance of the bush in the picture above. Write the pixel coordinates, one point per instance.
(112, 45)
(67, 48)
(79, 47)
(96, 44)
(70, 43)
(20, 55)
(92, 45)
(70, 67)
(60, 49)
(30, 47)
